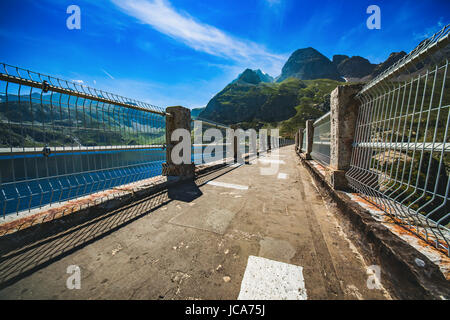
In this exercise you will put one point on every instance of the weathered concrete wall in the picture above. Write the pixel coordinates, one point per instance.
(178, 118)
(344, 113)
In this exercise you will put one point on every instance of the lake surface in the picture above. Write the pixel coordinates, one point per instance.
(31, 181)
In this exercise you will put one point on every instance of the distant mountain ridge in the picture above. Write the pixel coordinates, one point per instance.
(299, 93)
(393, 58)
(309, 64)
(355, 67)
(254, 77)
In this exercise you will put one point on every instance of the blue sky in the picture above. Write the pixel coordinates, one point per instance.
(182, 52)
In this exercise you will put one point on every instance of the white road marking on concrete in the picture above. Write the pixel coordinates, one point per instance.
(266, 279)
(227, 185)
(271, 161)
(282, 176)
(274, 156)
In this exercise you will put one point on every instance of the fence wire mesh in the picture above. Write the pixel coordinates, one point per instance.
(401, 154)
(283, 142)
(209, 142)
(321, 139)
(60, 140)
(206, 149)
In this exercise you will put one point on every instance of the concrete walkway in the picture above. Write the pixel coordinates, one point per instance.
(194, 242)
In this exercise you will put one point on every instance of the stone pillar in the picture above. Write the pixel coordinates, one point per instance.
(258, 145)
(235, 147)
(300, 140)
(344, 112)
(177, 118)
(309, 138)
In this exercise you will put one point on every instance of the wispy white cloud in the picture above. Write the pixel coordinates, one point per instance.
(105, 72)
(160, 15)
(428, 32)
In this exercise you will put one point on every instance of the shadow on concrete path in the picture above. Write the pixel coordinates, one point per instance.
(20, 263)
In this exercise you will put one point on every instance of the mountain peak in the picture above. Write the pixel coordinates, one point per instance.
(393, 58)
(253, 76)
(309, 64)
(265, 77)
(355, 67)
(249, 76)
(338, 58)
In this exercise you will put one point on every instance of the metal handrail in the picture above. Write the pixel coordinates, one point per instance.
(49, 83)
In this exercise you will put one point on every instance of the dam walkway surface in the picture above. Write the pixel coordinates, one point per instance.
(232, 233)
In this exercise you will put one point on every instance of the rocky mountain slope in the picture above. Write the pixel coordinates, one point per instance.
(353, 68)
(196, 112)
(393, 58)
(261, 104)
(310, 64)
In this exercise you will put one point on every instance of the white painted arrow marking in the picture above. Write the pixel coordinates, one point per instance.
(227, 185)
(266, 279)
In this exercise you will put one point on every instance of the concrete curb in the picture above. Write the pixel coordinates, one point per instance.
(400, 275)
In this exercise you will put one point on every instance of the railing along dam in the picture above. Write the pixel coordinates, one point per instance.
(390, 138)
(61, 140)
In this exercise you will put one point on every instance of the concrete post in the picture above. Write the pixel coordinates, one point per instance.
(309, 138)
(235, 147)
(300, 140)
(177, 118)
(344, 113)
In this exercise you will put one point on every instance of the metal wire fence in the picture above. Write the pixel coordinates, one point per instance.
(60, 140)
(209, 142)
(321, 139)
(401, 154)
(283, 142)
(206, 149)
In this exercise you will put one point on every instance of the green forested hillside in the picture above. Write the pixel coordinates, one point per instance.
(196, 111)
(30, 124)
(286, 105)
